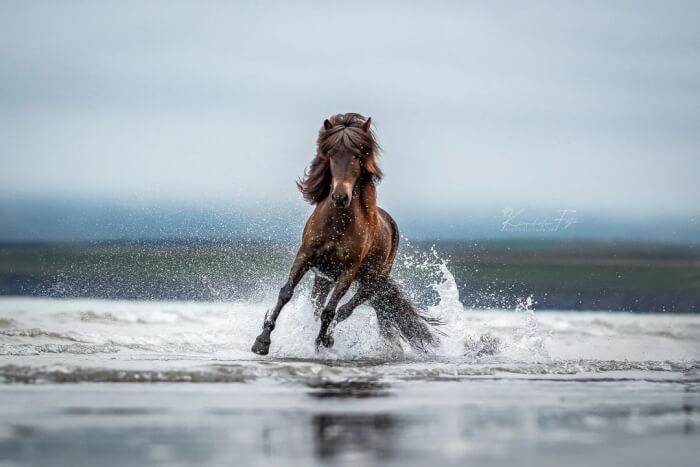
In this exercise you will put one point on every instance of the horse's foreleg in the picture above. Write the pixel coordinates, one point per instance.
(364, 293)
(261, 345)
(324, 338)
(319, 293)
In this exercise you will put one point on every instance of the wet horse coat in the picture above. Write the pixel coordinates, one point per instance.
(349, 239)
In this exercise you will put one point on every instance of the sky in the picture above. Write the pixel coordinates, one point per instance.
(479, 106)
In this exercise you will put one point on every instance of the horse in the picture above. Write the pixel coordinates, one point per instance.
(349, 239)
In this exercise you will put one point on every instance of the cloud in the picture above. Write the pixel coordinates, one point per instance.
(588, 106)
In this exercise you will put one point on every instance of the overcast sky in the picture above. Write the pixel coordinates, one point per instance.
(593, 106)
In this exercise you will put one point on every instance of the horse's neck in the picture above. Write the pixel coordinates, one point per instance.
(368, 198)
(363, 208)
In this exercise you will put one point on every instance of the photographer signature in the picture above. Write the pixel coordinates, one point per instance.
(514, 222)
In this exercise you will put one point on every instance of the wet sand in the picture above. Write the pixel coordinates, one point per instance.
(630, 418)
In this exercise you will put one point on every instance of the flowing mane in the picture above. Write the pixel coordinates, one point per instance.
(343, 132)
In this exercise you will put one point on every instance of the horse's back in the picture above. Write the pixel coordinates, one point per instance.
(392, 237)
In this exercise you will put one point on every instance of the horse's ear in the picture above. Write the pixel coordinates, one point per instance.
(365, 126)
(327, 124)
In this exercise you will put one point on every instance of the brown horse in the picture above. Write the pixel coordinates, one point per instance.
(349, 239)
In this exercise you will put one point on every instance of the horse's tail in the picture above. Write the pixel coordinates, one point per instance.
(398, 316)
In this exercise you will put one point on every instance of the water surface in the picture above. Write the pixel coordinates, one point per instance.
(127, 383)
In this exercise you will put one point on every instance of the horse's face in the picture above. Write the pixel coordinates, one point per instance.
(346, 167)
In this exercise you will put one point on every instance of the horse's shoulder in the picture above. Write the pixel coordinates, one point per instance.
(388, 219)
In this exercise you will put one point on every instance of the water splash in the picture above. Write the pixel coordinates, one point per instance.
(226, 329)
(525, 342)
(528, 341)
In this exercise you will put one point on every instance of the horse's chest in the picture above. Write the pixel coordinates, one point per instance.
(334, 257)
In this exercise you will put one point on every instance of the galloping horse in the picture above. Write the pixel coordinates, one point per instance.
(347, 239)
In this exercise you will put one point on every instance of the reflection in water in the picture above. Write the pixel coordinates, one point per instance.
(347, 389)
(375, 434)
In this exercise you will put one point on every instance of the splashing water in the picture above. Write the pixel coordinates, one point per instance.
(110, 333)
(419, 272)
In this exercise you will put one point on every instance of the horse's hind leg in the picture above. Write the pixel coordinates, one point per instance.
(364, 293)
(261, 345)
(319, 293)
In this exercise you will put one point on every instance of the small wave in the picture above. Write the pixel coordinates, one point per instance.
(27, 375)
(90, 316)
(320, 375)
(38, 332)
(76, 349)
(134, 315)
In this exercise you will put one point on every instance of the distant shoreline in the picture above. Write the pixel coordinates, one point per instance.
(561, 275)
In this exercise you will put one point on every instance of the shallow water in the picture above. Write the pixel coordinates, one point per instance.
(505, 387)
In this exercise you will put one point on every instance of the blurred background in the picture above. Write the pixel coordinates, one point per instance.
(149, 150)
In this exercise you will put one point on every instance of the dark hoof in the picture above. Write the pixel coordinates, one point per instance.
(326, 341)
(261, 346)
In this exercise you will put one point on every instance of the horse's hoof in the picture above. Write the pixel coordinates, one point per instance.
(261, 347)
(326, 341)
